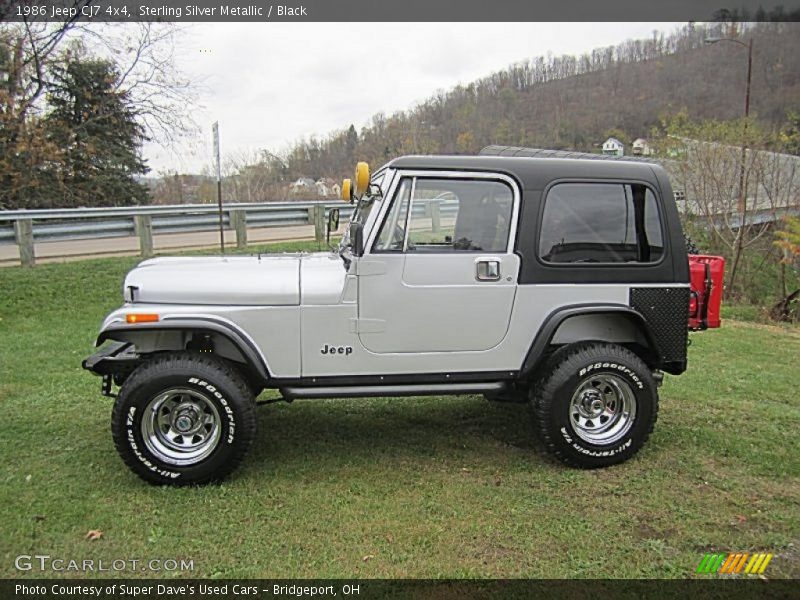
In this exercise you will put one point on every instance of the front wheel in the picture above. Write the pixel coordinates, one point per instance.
(595, 405)
(183, 419)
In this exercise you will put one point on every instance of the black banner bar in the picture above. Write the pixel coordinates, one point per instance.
(370, 589)
(403, 10)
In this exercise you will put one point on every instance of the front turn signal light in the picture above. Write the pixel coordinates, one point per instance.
(141, 318)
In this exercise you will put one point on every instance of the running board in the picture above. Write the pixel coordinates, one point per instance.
(367, 391)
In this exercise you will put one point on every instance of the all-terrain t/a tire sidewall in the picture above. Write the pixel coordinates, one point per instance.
(552, 405)
(216, 382)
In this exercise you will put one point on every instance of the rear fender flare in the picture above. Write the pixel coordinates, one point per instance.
(537, 351)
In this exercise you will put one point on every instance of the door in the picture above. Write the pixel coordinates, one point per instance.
(439, 275)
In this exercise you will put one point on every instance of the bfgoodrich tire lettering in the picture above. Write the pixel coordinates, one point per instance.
(182, 419)
(595, 405)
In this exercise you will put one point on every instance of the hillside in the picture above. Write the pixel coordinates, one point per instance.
(559, 102)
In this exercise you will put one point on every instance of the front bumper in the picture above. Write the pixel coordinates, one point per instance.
(113, 362)
(108, 359)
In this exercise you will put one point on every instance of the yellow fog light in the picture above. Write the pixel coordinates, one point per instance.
(347, 190)
(362, 178)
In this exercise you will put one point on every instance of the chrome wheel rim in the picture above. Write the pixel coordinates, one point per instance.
(181, 426)
(602, 409)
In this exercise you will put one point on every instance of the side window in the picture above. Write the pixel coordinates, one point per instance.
(600, 223)
(448, 215)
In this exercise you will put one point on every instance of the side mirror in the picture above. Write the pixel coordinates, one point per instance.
(333, 222)
(357, 238)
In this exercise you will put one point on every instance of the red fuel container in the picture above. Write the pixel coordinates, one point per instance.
(706, 280)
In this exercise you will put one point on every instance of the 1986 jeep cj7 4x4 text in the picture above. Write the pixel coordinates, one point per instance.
(563, 281)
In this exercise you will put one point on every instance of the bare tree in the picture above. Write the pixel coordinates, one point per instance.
(28, 49)
(708, 172)
(161, 97)
(144, 53)
(247, 176)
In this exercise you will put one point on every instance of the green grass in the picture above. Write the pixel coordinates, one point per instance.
(745, 312)
(422, 487)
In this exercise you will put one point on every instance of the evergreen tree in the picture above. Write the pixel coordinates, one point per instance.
(351, 142)
(94, 124)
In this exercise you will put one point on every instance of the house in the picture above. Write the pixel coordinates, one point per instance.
(613, 147)
(640, 147)
(304, 185)
(327, 187)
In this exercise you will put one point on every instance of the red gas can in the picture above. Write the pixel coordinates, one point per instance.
(705, 275)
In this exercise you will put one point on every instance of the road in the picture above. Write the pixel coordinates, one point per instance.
(129, 246)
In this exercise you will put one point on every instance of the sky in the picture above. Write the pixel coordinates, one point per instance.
(269, 84)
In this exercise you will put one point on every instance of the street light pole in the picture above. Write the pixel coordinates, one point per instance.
(742, 188)
(742, 200)
(742, 207)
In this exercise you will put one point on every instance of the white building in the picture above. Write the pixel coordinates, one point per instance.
(303, 185)
(613, 147)
(328, 187)
(640, 147)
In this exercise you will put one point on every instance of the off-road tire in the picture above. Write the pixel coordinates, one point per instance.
(228, 401)
(576, 370)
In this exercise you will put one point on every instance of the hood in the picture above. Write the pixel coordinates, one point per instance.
(234, 280)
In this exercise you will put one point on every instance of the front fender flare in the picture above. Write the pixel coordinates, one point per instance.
(243, 342)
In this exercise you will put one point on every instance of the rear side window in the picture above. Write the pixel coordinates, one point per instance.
(601, 223)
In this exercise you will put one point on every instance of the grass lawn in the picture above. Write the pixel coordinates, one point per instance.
(420, 487)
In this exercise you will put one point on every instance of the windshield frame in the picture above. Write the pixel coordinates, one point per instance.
(382, 179)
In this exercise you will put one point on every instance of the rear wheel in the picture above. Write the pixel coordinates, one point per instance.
(595, 405)
(183, 419)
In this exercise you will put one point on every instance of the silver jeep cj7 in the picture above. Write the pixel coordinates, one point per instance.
(518, 274)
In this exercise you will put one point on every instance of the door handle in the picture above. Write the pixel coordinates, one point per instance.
(487, 270)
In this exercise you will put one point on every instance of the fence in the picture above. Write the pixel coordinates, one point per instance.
(25, 227)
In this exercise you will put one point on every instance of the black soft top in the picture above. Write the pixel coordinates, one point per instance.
(535, 168)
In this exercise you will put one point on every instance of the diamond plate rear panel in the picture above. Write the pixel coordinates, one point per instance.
(666, 310)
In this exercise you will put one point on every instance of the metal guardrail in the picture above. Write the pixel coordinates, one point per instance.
(26, 227)
(92, 223)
